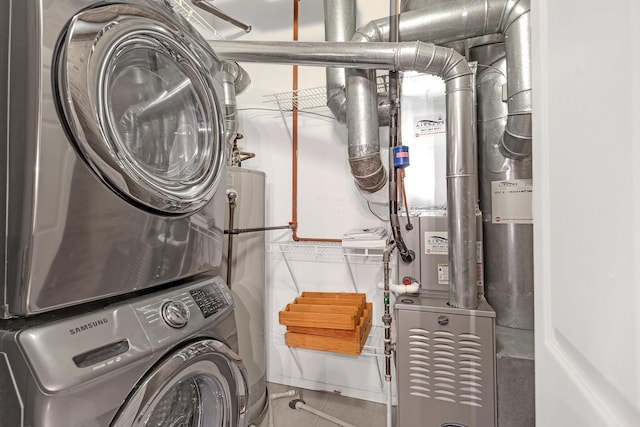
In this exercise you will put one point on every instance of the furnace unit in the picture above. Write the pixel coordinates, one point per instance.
(445, 363)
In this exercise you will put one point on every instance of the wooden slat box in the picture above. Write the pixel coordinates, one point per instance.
(338, 322)
(355, 334)
(320, 316)
(352, 346)
(334, 298)
(333, 302)
(335, 295)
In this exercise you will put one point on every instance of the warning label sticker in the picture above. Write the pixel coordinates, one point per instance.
(443, 274)
(511, 201)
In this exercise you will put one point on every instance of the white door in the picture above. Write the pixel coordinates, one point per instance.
(135, 90)
(586, 151)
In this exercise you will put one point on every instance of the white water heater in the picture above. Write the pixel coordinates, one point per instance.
(248, 281)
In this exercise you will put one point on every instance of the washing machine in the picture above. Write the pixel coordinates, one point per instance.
(111, 118)
(168, 358)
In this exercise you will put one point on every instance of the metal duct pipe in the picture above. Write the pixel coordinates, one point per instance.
(443, 21)
(339, 26)
(461, 136)
(363, 138)
(364, 144)
(372, 56)
(508, 256)
(516, 141)
(234, 80)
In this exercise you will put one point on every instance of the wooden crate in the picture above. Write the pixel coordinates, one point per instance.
(333, 302)
(335, 295)
(356, 334)
(350, 346)
(320, 316)
(338, 322)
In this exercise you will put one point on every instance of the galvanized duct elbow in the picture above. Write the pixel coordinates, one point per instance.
(363, 139)
(445, 21)
(234, 80)
(363, 142)
(516, 141)
(461, 163)
(339, 26)
(461, 131)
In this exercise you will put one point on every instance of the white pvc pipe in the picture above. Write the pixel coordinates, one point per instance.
(301, 405)
(275, 396)
(284, 394)
(402, 289)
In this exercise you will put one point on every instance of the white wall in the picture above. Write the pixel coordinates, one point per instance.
(328, 202)
(587, 212)
(326, 190)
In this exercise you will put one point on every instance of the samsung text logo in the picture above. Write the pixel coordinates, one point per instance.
(87, 326)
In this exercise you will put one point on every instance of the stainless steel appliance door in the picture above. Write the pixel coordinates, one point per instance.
(201, 385)
(135, 90)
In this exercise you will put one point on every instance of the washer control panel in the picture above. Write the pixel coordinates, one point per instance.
(185, 309)
(175, 314)
(209, 299)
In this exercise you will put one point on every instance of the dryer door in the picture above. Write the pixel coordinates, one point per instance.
(135, 89)
(202, 385)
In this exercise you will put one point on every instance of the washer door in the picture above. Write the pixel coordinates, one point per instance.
(202, 385)
(136, 92)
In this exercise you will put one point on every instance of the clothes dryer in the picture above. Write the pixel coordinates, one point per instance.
(113, 149)
(166, 359)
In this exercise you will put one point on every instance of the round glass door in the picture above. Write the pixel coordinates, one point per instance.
(138, 97)
(202, 385)
(196, 401)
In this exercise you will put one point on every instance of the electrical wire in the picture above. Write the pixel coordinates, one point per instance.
(375, 214)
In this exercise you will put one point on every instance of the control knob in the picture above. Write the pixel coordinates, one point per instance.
(175, 314)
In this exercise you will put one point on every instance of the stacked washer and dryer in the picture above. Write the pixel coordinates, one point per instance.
(113, 220)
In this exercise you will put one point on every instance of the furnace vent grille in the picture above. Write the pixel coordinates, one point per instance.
(446, 366)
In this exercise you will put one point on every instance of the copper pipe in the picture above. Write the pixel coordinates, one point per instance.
(294, 147)
(409, 226)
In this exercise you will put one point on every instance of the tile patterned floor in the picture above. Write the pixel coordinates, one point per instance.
(360, 413)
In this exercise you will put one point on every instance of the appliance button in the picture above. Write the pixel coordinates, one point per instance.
(175, 314)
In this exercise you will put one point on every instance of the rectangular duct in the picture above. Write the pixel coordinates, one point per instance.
(446, 363)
